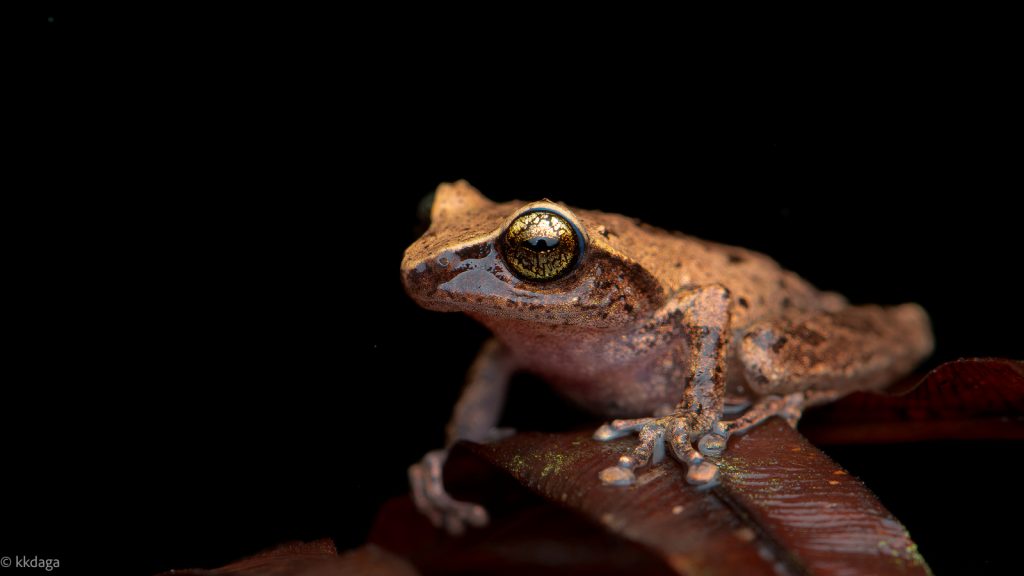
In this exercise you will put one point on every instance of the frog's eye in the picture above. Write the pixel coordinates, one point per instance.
(541, 245)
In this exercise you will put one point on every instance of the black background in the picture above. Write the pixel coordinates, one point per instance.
(223, 357)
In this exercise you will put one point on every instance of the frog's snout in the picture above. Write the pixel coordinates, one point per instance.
(464, 278)
(422, 274)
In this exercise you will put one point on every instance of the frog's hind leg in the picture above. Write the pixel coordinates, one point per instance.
(854, 348)
(735, 404)
(821, 356)
(789, 407)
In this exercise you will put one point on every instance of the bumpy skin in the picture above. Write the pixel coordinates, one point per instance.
(648, 322)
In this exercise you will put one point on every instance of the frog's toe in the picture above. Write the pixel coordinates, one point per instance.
(496, 434)
(619, 428)
(650, 447)
(679, 442)
(616, 476)
(435, 503)
(459, 514)
(712, 444)
(704, 474)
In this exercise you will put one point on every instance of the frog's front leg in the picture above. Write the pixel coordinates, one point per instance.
(474, 418)
(699, 319)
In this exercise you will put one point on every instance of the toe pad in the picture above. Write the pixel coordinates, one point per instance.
(615, 476)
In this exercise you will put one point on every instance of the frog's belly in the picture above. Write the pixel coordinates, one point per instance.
(604, 374)
(637, 392)
(623, 393)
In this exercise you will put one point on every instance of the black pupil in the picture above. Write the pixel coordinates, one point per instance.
(539, 243)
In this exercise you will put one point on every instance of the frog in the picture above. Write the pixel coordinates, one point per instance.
(683, 342)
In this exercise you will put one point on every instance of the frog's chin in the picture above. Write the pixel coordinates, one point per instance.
(438, 304)
(475, 304)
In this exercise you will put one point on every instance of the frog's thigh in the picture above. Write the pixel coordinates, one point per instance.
(855, 348)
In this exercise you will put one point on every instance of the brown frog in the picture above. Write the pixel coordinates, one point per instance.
(671, 332)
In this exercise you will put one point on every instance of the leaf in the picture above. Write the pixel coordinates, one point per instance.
(967, 399)
(318, 558)
(782, 506)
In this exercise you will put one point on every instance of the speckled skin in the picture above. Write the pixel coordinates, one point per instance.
(586, 333)
(650, 320)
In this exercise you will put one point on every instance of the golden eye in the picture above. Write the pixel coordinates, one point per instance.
(541, 245)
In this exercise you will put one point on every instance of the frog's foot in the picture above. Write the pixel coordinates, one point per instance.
(435, 503)
(674, 429)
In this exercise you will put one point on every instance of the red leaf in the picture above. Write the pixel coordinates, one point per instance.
(782, 503)
(317, 558)
(967, 399)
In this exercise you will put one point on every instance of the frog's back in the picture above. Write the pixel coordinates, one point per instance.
(759, 286)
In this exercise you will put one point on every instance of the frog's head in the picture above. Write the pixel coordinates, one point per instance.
(532, 262)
